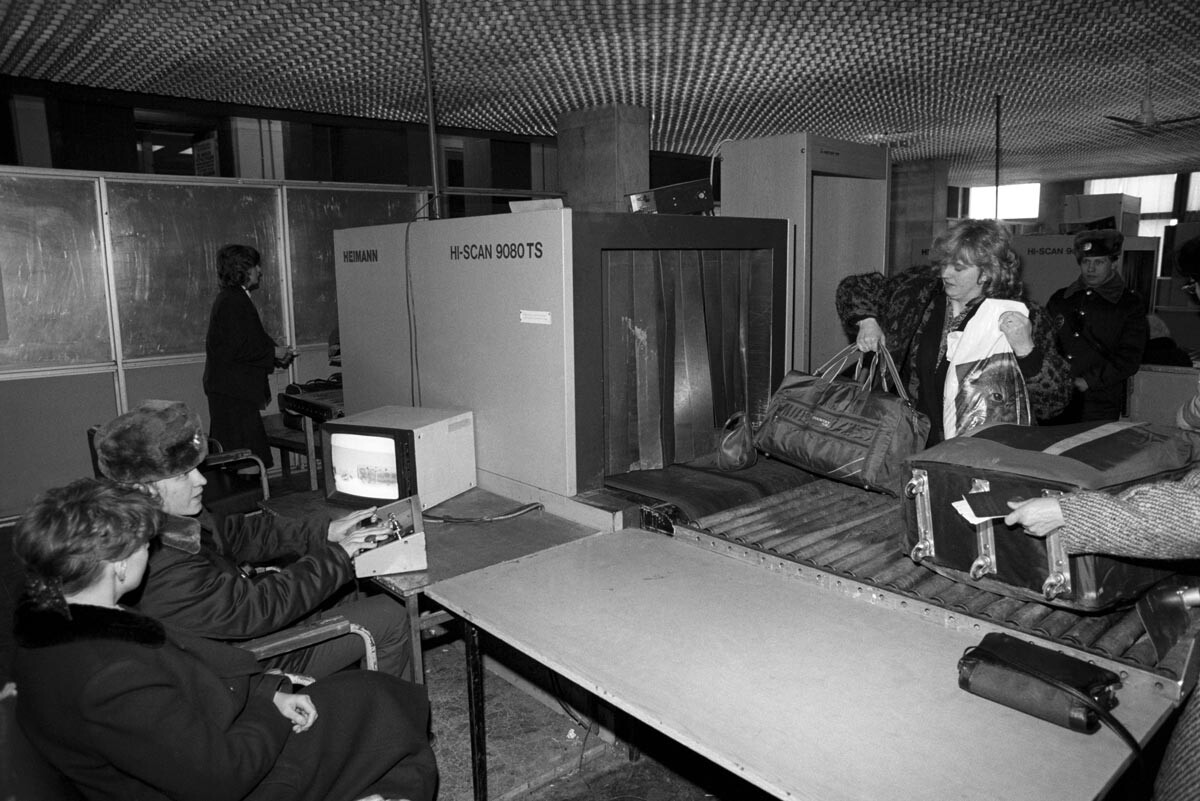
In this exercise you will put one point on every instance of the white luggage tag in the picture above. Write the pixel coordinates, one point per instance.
(402, 546)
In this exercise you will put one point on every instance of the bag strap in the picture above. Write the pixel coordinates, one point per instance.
(732, 423)
(837, 363)
(744, 335)
(889, 369)
(1091, 435)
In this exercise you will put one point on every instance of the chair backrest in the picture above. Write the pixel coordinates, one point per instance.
(91, 439)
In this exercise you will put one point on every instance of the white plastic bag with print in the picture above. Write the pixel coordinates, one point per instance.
(984, 383)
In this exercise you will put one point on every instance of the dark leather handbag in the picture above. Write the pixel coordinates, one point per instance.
(845, 428)
(736, 449)
(1042, 682)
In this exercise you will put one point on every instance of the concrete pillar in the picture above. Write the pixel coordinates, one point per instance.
(477, 172)
(603, 155)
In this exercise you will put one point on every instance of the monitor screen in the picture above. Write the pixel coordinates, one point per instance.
(364, 466)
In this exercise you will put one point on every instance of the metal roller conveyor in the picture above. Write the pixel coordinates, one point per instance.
(850, 541)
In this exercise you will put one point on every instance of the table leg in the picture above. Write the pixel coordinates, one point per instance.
(412, 605)
(310, 447)
(475, 707)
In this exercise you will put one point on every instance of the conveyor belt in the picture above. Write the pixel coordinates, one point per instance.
(850, 540)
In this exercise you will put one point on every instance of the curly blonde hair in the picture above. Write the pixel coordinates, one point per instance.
(988, 245)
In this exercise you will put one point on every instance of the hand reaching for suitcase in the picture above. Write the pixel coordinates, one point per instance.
(1038, 516)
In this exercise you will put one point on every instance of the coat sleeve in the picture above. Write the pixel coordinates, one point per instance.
(263, 538)
(147, 726)
(861, 296)
(1156, 521)
(207, 597)
(1050, 385)
(1125, 357)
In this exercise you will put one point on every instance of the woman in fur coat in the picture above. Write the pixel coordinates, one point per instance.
(913, 313)
(127, 709)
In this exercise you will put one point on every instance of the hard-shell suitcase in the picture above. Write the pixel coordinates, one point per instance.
(1011, 462)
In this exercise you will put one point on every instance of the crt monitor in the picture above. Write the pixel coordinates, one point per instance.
(393, 452)
(365, 465)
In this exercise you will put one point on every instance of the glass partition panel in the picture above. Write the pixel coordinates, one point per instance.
(313, 215)
(52, 308)
(165, 239)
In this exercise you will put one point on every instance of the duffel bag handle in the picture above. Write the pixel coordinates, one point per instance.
(837, 363)
(883, 355)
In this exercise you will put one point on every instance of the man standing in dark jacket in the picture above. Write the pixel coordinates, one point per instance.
(240, 355)
(1102, 329)
(254, 578)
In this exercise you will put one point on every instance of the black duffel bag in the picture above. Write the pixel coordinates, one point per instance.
(844, 428)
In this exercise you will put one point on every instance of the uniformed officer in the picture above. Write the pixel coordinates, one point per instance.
(1102, 329)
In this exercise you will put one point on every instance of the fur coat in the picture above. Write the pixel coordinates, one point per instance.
(127, 709)
(903, 304)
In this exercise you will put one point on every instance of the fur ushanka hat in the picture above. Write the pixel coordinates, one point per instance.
(1103, 242)
(156, 440)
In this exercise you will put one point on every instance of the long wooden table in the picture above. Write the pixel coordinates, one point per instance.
(806, 693)
(454, 548)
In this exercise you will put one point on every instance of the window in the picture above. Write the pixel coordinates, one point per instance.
(1155, 227)
(1017, 202)
(167, 142)
(1156, 191)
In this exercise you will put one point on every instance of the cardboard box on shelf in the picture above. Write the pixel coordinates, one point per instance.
(1079, 211)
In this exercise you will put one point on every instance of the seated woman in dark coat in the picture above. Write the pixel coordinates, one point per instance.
(126, 709)
(912, 314)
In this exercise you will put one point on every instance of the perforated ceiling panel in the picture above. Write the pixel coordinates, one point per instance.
(921, 76)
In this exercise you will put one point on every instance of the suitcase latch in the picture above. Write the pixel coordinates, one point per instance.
(985, 539)
(1058, 565)
(1058, 568)
(917, 488)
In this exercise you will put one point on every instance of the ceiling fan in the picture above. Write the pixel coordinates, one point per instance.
(1147, 121)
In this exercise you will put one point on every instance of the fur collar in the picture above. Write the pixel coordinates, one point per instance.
(181, 533)
(36, 627)
(1111, 290)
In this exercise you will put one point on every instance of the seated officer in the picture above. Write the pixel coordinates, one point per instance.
(206, 582)
(1102, 329)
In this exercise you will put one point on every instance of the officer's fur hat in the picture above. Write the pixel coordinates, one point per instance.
(1105, 242)
(156, 440)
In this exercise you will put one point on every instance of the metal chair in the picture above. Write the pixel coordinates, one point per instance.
(306, 634)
